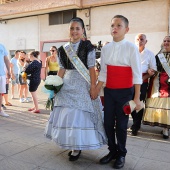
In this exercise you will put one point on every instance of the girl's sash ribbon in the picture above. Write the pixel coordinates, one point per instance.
(78, 64)
(75, 60)
(165, 65)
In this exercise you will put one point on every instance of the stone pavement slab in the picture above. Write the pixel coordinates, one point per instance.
(24, 147)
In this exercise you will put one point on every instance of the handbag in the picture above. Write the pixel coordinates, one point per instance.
(24, 76)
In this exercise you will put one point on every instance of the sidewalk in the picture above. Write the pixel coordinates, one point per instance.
(23, 146)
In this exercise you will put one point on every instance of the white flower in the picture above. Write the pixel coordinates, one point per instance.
(53, 80)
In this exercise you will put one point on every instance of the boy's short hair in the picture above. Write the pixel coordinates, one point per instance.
(124, 19)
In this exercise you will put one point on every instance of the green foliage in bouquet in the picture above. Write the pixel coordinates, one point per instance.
(49, 103)
(53, 83)
(56, 89)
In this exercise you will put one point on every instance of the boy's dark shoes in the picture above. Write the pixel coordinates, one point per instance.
(106, 159)
(119, 163)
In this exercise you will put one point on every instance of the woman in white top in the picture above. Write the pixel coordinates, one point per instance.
(23, 90)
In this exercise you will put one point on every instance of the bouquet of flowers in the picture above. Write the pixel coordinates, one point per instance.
(129, 107)
(53, 84)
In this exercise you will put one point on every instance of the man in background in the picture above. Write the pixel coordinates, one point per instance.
(148, 61)
(14, 73)
(3, 61)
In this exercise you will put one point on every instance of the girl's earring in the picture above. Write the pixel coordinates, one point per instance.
(83, 37)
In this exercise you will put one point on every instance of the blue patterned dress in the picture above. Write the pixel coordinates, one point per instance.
(75, 123)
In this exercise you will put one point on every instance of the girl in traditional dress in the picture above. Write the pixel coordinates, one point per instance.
(76, 121)
(157, 112)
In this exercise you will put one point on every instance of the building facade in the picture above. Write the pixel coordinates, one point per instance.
(36, 25)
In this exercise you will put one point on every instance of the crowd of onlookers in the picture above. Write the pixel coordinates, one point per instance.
(23, 73)
(13, 72)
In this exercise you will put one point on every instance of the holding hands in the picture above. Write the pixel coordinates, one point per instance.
(94, 90)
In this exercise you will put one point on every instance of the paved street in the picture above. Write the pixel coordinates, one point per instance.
(23, 146)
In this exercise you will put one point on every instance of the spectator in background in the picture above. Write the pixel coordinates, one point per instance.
(7, 103)
(51, 64)
(5, 95)
(3, 61)
(34, 70)
(148, 62)
(51, 68)
(23, 91)
(14, 72)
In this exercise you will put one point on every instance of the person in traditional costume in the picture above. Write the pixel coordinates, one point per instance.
(121, 70)
(76, 120)
(157, 112)
(148, 61)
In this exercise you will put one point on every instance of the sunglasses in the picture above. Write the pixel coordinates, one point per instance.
(52, 50)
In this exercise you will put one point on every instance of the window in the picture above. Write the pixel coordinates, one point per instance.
(8, 1)
(61, 17)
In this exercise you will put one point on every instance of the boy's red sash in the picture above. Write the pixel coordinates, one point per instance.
(119, 77)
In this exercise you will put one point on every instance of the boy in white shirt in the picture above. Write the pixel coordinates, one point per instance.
(121, 70)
